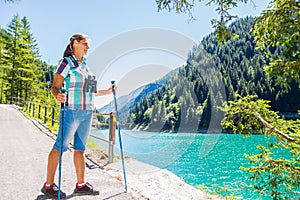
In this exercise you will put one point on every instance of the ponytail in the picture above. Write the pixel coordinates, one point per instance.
(68, 51)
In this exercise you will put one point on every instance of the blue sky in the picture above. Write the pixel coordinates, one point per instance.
(53, 22)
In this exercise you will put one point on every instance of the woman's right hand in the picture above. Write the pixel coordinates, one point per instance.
(61, 97)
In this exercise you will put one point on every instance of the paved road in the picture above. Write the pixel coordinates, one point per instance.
(24, 150)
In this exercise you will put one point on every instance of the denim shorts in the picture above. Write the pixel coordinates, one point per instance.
(73, 123)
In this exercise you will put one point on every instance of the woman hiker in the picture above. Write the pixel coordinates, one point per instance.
(76, 78)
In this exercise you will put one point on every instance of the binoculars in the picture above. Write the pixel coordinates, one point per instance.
(90, 84)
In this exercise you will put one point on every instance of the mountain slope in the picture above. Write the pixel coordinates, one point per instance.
(214, 73)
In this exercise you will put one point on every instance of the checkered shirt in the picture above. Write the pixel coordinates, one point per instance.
(74, 73)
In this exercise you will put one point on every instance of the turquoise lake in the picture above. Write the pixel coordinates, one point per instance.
(209, 159)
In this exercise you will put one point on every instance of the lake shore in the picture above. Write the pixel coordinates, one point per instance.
(145, 181)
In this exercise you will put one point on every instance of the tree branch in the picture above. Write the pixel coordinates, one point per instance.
(269, 126)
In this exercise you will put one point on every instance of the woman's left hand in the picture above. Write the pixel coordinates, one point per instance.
(107, 91)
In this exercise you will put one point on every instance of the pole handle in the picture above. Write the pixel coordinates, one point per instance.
(62, 104)
(113, 87)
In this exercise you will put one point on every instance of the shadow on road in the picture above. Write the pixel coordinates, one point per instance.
(44, 197)
(112, 196)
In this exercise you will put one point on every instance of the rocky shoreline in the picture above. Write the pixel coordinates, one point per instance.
(145, 181)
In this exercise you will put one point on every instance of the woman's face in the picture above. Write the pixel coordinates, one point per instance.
(81, 47)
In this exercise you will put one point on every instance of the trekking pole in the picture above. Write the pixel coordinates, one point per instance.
(62, 108)
(119, 134)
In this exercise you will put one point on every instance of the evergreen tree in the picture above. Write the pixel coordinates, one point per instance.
(23, 74)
